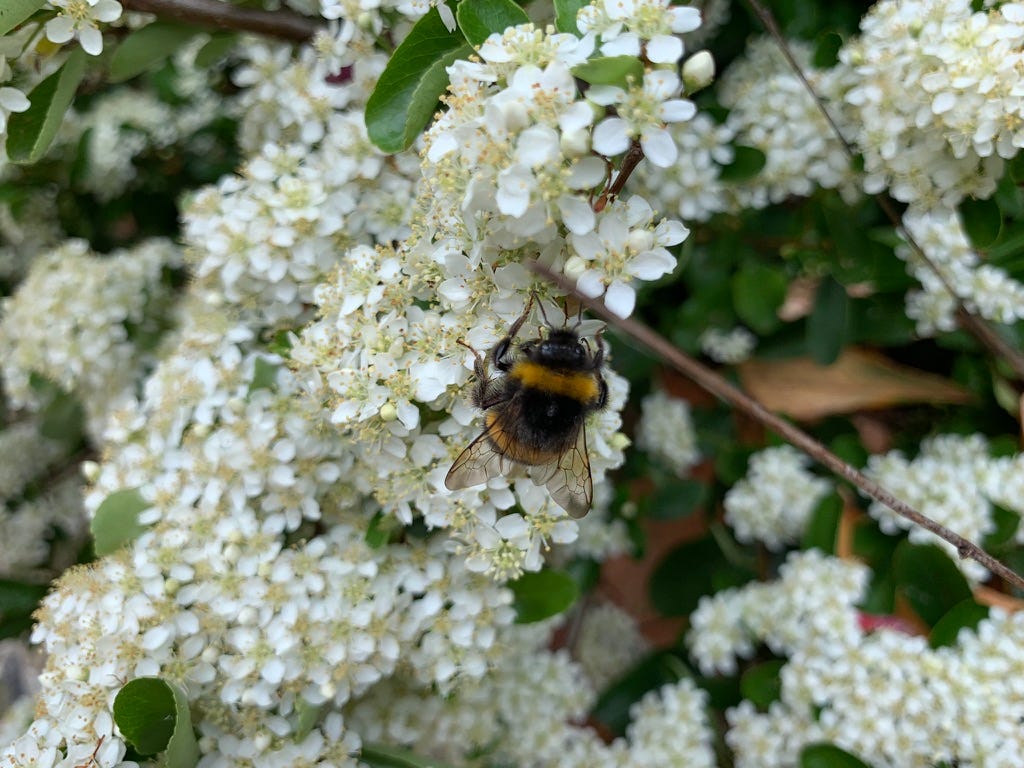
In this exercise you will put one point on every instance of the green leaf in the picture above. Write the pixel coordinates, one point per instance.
(826, 50)
(828, 756)
(308, 715)
(761, 683)
(386, 756)
(63, 419)
(652, 672)
(967, 614)
(684, 576)
(982, 221)
(823, 526)
(216, 48)
(264, 375)
(117, 520)
(542, 594)
(676, 499)
(13, 12)
(148, 47)
(827, 327)
(378, 532)
(565, 15)
(30, 133)
(746, 163)
(611, 70)
(929, 580)
(153, 715)
(412, 82)
(17, 603)
(757, 293)
(479, 19)
(1006, 524)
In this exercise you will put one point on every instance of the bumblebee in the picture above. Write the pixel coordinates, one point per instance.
(534, 413)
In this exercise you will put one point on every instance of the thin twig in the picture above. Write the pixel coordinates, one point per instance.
(718, 386)
(973, 324)
(283, 24)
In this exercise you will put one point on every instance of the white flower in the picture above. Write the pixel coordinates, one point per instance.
(79, 17)
(11, 100)
(624, 247)
(666, 431)
(642, 112)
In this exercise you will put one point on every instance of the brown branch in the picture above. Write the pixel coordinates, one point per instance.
(970, 322)
(286, 25)
(722, 389)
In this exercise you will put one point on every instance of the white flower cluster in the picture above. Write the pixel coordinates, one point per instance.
(891, 700)
(955, 482)
(69, 323)
(507, 175)
(123, 123)
(608, 644)
(29, 521)
(665, 430)
(771, 110)
(264, 240)
(690, 187)
(933, 103)
(522, 715)
(729, 347)
(773, 503)
(810, 605)
(512, 157)
(983, 288)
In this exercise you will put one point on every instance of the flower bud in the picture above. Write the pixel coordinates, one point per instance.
(698, 72)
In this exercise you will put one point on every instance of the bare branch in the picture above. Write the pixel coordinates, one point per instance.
(722, 389)
(973, 324)
(286, 25)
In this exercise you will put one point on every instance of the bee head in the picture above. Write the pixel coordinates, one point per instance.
(561, 349)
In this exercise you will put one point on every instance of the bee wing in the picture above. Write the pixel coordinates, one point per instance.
(571, 486)
(477, 464)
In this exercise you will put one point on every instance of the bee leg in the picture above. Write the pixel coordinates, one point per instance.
(500, 353)
(602, 393)
(486, 391)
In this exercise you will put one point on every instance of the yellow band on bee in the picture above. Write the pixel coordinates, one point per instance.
(579, 385)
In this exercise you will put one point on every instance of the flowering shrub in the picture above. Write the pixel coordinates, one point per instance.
(249, 282)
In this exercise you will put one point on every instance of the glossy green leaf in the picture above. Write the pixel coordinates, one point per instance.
(676, 499)
(828, 756)
(307, 716)
(611, 70)
(929, 580)
(543, 594)
(823, 525)
(148, 47)
(826, 50)
(1006, 524)
(116, 521)
(264, 375)
(412, 82)
(479, 19)
(216, 48)
(828, 324)
(612, 707)
(964, 615)
(684, 576)
(153, 715)
(746, 163)
(757, 293)
(761, 684)
(17, 603)
(13, 12)
(982, 221)
(565, 15)
(30, 133)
